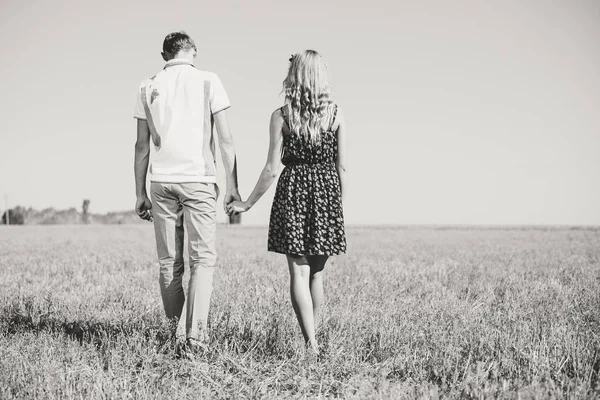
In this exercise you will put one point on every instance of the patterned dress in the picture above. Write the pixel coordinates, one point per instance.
(307, 216)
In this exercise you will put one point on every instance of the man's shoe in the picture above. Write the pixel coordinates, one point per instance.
(195, 347)
(181, 349)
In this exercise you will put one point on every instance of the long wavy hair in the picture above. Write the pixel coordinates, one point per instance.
(307, 92)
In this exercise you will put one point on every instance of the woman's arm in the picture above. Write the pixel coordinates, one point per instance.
(271, 169)
(341, 156)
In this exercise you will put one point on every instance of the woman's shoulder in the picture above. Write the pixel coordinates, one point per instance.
(338, 110)
(334, 109)
(337, 117)
(279, 118)
(278, 114)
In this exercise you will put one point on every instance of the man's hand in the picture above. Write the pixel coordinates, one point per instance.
(236, 207)
(230, 195)
(143, 208)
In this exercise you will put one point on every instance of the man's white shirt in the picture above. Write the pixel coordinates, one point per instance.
(179, 103)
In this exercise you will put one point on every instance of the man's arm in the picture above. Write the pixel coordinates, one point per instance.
(143, 205)
(229, 158)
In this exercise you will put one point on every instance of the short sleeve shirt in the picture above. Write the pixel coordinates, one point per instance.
(178, 104)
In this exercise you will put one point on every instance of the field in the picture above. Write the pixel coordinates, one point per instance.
(411, 312)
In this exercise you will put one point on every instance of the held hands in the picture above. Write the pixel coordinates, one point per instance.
(233, 203)
(230, 196)
(143, 208)
(237, 207)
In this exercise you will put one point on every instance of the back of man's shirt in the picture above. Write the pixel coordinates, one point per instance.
(178, 104)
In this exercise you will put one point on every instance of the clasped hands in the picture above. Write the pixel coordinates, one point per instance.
(237, 207)
(233, 203)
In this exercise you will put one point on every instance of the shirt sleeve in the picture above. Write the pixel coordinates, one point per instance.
(218, 97)
(139, 111)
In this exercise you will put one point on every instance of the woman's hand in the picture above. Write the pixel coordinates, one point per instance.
(236, 207)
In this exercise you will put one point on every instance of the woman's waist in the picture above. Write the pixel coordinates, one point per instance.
(304, 163)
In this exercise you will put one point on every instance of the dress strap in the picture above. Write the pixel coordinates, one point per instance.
(285, 114)
(333, 117)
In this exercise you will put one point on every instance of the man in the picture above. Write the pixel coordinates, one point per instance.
(176, 110)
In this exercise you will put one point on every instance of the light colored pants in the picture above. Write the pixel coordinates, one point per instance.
(189, 206)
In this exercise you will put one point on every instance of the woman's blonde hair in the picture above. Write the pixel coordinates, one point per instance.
(307, 91)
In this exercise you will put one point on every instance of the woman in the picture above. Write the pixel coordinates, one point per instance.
(307, 134)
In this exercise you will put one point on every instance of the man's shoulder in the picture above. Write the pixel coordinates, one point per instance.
(197, 75)
(148, 81)
(206, 74)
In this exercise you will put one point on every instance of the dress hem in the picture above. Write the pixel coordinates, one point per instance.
(286, 253)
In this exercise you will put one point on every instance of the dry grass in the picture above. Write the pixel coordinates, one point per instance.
(411, 312)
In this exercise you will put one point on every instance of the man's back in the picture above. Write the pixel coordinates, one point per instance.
(178, 104)
(175, 110)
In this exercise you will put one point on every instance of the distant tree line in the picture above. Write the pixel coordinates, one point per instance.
(71, 216)
(13, 216)
(49, 216)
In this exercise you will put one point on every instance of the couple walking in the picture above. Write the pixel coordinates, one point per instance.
(176, 111)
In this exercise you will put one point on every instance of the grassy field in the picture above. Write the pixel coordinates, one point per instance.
(410, 312)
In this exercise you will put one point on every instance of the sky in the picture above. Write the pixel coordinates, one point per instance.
(463, 112)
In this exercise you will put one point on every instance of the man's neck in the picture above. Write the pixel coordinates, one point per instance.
(183, 55)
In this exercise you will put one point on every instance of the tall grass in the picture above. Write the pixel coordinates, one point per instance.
(410, 312)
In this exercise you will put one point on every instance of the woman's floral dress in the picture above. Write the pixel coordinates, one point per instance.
(307, 216)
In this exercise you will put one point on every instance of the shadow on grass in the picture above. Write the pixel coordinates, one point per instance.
(34, 315)
(26, 317)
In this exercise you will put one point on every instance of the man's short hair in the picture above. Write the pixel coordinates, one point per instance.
(177, 41)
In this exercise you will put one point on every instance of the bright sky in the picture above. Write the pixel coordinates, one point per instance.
(463, 112)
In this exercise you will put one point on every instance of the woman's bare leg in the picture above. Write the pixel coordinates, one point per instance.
(317, 264)
(301, 297)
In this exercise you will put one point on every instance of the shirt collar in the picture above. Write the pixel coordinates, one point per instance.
(177, 61)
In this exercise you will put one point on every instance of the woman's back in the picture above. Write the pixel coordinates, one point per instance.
(298, 149)
(307, 216)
